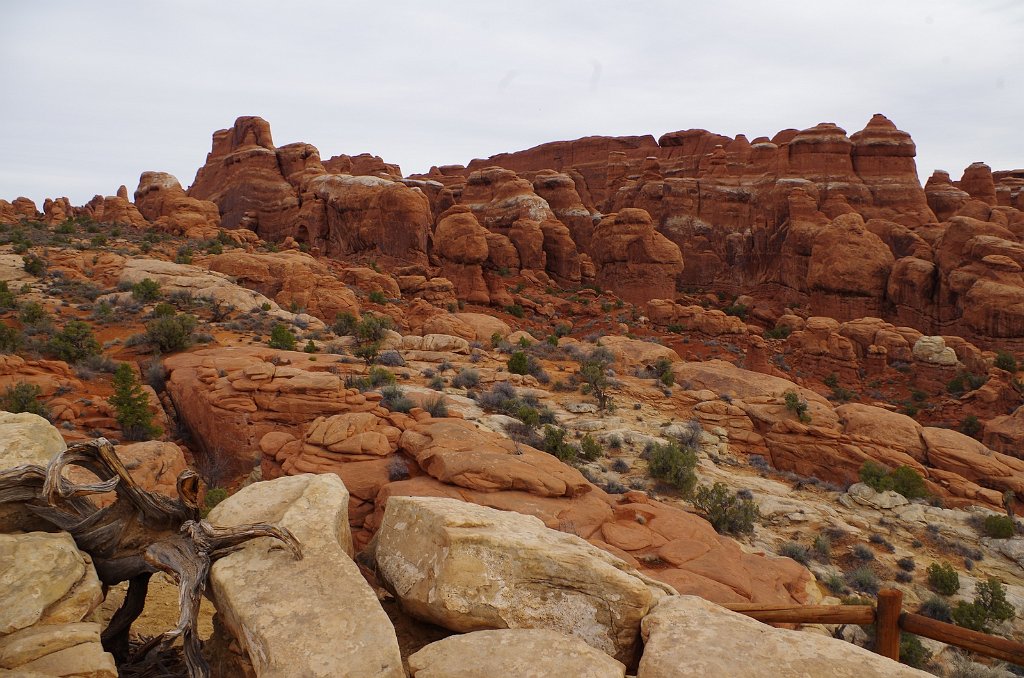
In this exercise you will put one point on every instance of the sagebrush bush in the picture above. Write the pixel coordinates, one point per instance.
(999, 527)
(394, 399)
(466, 378)
(146, 290)
(797, 552)
(171, 333)
(674, 464)
(903, 480)
(556, 444)
(281, 338)
(727, 512)
(74, 342)
(943, 578)
(863, 579)
(989, 607)
(437, 407)
(24, 397)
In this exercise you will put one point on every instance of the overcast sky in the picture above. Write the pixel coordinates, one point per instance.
(94, 93)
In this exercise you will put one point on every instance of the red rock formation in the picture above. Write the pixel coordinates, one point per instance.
(634, 260)
(506, 205)
(287, 191)
(292, 279)
(944, 198)
(161, 199)
(112, 209)
(20, 208)
(460, 243)
(978, 183)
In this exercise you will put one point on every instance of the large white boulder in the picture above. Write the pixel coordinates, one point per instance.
(687, 636)
(513, 653)
(316, 617)
(47, 587)
(467, 567)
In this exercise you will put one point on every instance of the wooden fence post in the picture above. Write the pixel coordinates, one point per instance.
(887, 623)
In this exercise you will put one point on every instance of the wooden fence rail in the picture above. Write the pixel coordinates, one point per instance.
(889, 619)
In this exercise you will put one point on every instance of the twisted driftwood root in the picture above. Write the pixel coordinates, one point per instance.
(139, 534)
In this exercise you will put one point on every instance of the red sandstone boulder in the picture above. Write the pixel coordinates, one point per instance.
(634, 260)
(161, 199)
(292, 279)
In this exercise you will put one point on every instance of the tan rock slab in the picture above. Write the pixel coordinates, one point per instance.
(468, 567)
(315, 617)
(686, 636)
(513, 653)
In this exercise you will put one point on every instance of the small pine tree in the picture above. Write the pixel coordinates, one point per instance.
(132, 405)
(281, 338)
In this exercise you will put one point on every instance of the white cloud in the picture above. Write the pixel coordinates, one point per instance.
(96, 93)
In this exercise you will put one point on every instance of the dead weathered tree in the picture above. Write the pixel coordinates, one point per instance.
(139, 534)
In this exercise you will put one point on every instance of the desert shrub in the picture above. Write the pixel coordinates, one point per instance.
(437, 407)
(171, 333)
(593, 371)
(398, 469)
(906, 564)
(674, 464)
(155, 375)
(798, 406)
(281, 338)
(989, 607)
(310, 347)
(863, 552)
(515, 310)
(10, 339)
(344, 324)
(555, 444)
(912, 652)
(863, 579)
(33, 313)
(146, 290)
(970, 425)
(378, 376)
(373, 327)
(131, 404)
(835, 583)
(74, 342)
(727, 512)
(590, 449)
(519, 363)
(943, 578)
(7, 300)
(367, 351)
(163, 309)
(214, 496)
(797, 552)
(34, 265)
(999, 527)
(875, 476)
(823, 548)
(391, 358)
(378, 297)
(620, 465)
(436, 382)
(936, 608)
(909, 483)
(779, 332)
(466, 378)
(738, 310)
(394, 399)
(903, 480)
(24, 397)
(1005, 361)
(184, 255)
